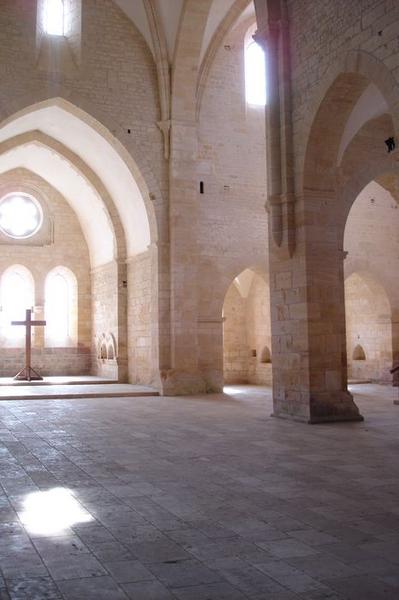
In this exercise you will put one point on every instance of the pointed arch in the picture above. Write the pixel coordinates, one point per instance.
(90, 135)
(17, 290)
(332, 104)
(61, 307)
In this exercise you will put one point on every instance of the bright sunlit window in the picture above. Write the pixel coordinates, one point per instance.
(60, 306)
(54, 17)
(20, 215)
(52, 512)
(255, 77)
(17, 295)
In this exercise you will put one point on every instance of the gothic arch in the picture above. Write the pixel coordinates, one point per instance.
(329, 111)
(108, 224)
(104, 126)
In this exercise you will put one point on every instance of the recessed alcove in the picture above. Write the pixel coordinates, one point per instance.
(358, 353)
(246, 330)
(265, 357)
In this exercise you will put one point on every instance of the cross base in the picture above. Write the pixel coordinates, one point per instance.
(28, 374)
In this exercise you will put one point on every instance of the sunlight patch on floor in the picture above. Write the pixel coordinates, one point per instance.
(52, 512)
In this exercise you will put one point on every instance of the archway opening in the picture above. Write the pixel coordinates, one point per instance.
(371, 262)
(247, 331)
(350, 117)
(368, 330)
(93, 238)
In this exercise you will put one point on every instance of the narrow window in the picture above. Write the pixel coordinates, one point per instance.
(17, 295)
(255, 77)
(60, 307)
(54, 17)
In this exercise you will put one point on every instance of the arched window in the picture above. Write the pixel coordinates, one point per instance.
(255, 71)
(61, 307)
(17, 295)
(54, 17)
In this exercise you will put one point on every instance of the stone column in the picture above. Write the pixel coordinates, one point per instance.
(210, 340)
(183, 376)
(306, 262)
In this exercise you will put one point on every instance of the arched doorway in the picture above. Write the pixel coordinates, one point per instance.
(372, 261)
(344, 134)
(246, 330)
(368, 330)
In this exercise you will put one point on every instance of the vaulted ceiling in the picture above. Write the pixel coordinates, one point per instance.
(169, 13)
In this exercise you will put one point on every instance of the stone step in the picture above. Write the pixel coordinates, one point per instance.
(60, 380)
(61, 392)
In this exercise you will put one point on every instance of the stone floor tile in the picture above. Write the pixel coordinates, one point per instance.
(208, 481)
(248, 579)
(147, 590)
(159, 550)
(387, 550)
(93, 588)
(364, 587)
(110, 551)
(188, 537)
(128, 571)
(65, 546)
(74, 567)
(321, 566)
(184, 573)
(289, 577)
(312, 537)
(39, 588)
(346, 553)
(93, 532)
(287, 548)
(213, 591)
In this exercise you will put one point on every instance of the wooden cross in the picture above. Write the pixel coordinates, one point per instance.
(27, 373)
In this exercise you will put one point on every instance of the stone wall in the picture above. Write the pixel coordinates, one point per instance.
(60, 242)
(247, 335)
(104, 285)
(372, 300)
(258, 332)
(232, 227)
(235, 345)
(140, 320)
(104, 67)
(321, 33)
(368, 329)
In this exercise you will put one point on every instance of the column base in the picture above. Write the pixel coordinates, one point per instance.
(175, 382)
(322, 408)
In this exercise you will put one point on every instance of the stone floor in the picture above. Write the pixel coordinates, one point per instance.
(70, 391)
(204, 498)
(59, 380)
